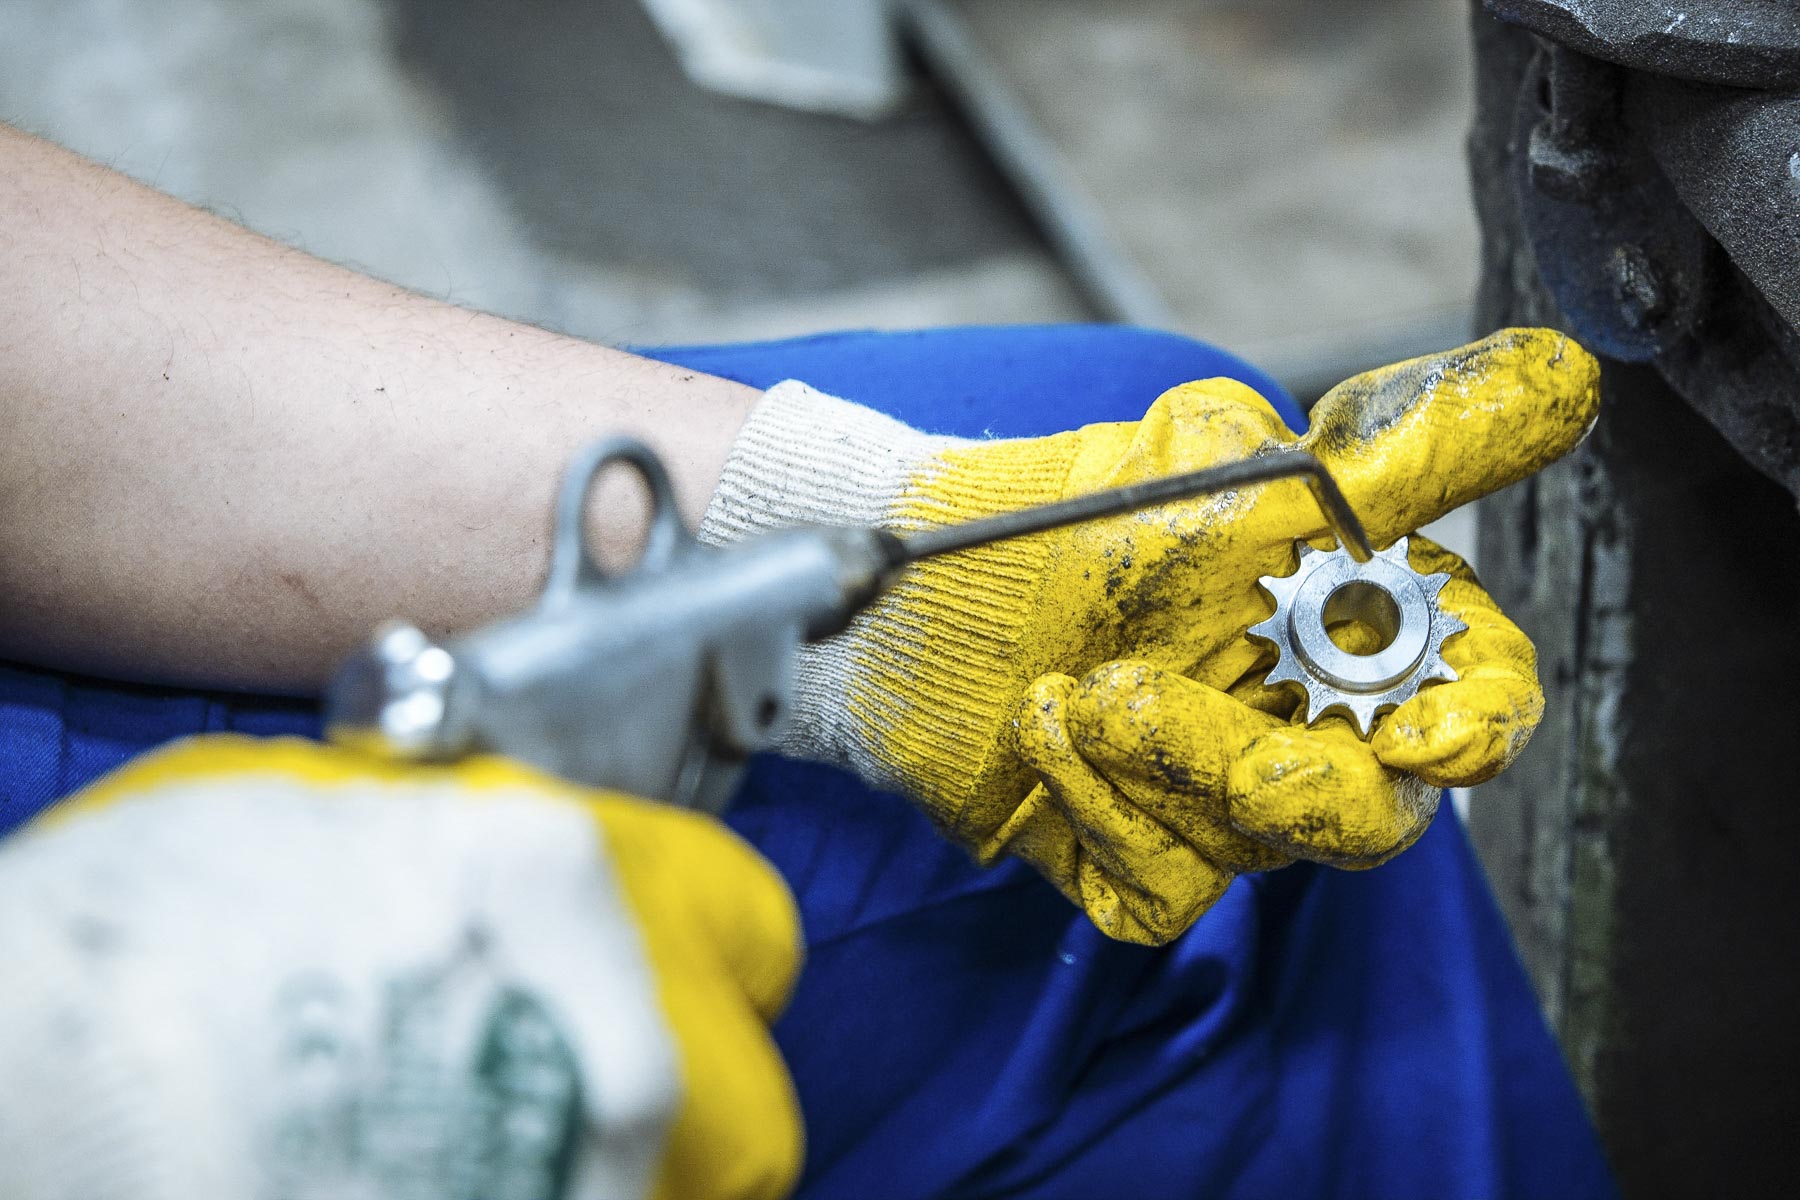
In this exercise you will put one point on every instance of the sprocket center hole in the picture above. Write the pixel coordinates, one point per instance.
(1361, 618)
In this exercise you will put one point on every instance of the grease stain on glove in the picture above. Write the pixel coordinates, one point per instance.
(1087, 699)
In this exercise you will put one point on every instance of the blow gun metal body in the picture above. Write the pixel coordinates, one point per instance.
(662, 681)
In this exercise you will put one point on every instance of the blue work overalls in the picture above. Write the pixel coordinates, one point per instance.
(960, 1032)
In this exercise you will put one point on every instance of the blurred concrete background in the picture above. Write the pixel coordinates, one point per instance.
(1287, 173)
(544, 159)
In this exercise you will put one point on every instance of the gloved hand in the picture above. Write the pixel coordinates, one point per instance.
(248, 968)
(1087, 699)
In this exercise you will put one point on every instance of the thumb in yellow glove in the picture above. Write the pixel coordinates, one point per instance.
(1087, 699)
(249, 968)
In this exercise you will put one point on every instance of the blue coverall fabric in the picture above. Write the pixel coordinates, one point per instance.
(960, 1032)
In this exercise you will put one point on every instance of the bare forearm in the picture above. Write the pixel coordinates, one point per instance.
(224, 460)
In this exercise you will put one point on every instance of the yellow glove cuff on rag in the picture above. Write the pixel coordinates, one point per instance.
(297, 970)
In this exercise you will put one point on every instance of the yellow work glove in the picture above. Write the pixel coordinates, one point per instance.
(258, 968)
(1087, 699)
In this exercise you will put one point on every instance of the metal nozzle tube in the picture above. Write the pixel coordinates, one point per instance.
(1287, 465)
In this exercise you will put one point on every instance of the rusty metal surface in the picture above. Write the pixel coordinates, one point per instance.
(1750, 43)
(1663, 214)
(1734, 161)
(1638, 846)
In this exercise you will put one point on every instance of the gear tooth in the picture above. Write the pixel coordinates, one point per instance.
(1300, 564)
(1435, 648)
(1291, 578)
(1319, 700)
(1338, 707)
(1322, 707)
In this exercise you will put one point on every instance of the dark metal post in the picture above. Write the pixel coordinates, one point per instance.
(1643, 849)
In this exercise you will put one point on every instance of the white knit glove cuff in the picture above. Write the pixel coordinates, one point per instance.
(805, 458)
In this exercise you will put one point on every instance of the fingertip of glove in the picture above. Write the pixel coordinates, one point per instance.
(1038, 722)
(1559, 371)
(1283, 761)
(1110, 692)
(1411, 441)
(1047, 691)
(1147, 920)
(1119, 679)
(1457, 734)
(722, 899)
(776, 945)
(755, 923)
(1187, 400)
(1323, 797)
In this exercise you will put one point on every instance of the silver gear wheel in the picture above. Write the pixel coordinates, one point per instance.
(1387, 595)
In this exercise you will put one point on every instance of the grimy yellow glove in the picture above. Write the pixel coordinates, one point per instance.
(1087, 699)
(258, 968)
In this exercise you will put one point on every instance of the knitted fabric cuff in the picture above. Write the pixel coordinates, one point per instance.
(913, 694)
(806, 458)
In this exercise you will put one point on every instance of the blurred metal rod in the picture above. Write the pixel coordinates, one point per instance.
(1070, 218)
(1286, 465)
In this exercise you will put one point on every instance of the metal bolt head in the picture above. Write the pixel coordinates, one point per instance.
(1643, 300)
(392, 696)
(1564, 168)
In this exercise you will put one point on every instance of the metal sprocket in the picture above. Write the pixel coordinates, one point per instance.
(1385, 593)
